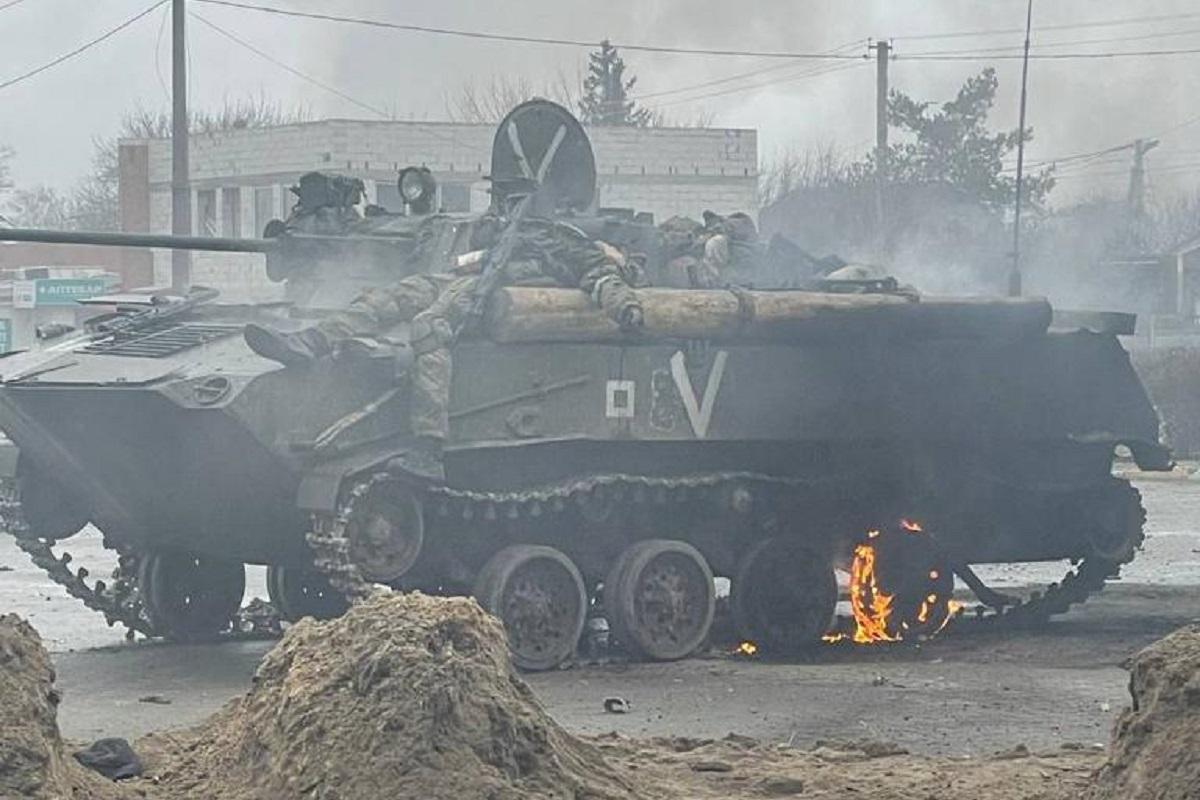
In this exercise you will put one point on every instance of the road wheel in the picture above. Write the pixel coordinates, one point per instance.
(190, 597)
(539, 595)
(386, 532)
(659, 598)
(783, 596)
(298, 593)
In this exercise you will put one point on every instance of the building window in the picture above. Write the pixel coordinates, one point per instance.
(456, 197)
(231, 212)
(388, 196)
(206, 212)
(264, 208)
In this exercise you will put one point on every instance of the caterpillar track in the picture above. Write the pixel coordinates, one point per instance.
(329, 541)
(119, 600)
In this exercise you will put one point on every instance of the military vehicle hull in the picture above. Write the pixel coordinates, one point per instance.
(1003, 445)
(766, 436)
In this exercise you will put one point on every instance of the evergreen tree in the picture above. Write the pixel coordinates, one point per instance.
(951, 145)
(605, 99)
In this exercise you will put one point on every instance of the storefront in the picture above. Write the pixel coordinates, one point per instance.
(36, 301)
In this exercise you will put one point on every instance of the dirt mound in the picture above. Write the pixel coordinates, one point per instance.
(403, 696)
(1156, 739)
(738, 767)
(32, 759)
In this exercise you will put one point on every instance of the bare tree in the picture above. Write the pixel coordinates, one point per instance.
(6, 154)
(818, 167)
(487, 103)
(94, 202)
(38, 207)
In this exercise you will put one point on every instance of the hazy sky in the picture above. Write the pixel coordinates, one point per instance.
(1075, 105)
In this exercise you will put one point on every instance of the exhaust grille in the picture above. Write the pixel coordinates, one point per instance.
(161, 340)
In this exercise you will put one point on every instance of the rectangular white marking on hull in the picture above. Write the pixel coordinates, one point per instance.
(618, 400)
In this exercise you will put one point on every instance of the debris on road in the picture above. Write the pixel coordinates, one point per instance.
(616, 705)
(112, 758)
(32, 759)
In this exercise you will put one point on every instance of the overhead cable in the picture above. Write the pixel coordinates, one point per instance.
(1061, 27)
(1064, 43)
(288, 68)
(431, 129)
(811, 73)
(980, 56)
(66, 56)
(505, 37)
(739, 76)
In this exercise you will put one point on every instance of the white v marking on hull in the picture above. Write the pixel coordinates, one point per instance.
(699, 414)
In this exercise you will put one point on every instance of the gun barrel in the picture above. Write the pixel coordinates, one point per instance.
(108, 239)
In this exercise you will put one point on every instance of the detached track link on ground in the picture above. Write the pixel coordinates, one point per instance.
(332, 547)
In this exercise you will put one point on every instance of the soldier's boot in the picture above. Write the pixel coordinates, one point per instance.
(423, 460)
(631, 317)
(290, 349)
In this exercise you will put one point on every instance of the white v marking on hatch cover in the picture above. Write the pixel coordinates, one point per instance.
(699, 414)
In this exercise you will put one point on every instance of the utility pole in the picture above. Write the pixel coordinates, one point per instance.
(181, 191)
(883, 51)
(1014, 277)
(1137, 177)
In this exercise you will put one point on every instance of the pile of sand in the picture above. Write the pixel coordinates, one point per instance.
(32, 759)
(1157, 739)
(403, 696)
(412, 696)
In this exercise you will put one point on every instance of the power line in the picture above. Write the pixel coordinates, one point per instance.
(1065, 43)
(81, 48)
(936, 56)
(812, 73)
(316, 82)
(162, 82)
(1042, 28)
(503, 37)
(289, 68)
(10, 4)
(739, 76)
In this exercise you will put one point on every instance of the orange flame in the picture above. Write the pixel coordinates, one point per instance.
(874, 610)
(746, 649)
(871, 606)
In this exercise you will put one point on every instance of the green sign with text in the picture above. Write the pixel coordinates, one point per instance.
(56, 291)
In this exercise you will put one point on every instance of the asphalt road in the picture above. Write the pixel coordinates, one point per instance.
(975, 690)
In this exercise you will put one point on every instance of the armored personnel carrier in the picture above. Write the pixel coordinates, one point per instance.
(745, 431)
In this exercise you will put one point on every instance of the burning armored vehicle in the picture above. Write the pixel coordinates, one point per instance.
(738, 430)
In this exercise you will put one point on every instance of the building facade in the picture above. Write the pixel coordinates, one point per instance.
(240, 178)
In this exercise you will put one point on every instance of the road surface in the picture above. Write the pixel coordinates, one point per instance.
(973, 691)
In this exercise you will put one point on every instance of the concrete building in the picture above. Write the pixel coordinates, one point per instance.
(240, 178)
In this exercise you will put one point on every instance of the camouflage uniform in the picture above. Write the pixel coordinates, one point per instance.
(719, 252)
(439, 305)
